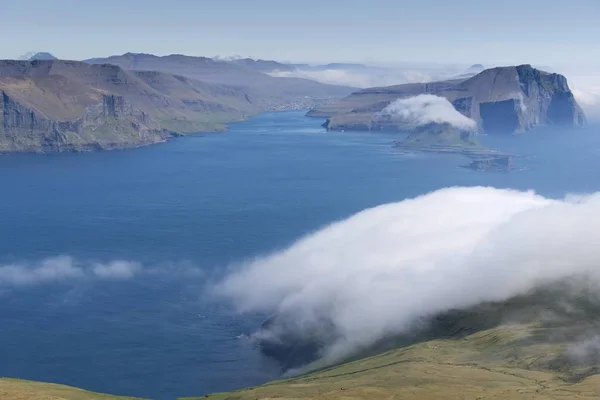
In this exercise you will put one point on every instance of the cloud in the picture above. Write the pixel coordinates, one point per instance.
(586, 351)
(426, 109)
(116, 269)
(365, 78)
(381, 270)
(585, 85)
(64, 268)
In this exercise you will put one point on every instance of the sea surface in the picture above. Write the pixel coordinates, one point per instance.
(180, 215)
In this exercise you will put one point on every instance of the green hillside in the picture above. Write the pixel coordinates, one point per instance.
(507, 362)
(16, 389)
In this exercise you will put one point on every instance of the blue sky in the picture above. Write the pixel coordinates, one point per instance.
(549, 32)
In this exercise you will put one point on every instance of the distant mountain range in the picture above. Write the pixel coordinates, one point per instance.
(245, 75)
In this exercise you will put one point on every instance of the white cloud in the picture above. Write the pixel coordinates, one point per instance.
(426, 109)
(364, 78)
(586, 350)
(585, 85)
(64, 268)
(376, 273)
(49, 270)
(116, 269)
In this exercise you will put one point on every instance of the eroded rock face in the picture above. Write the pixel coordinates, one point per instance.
(500, 116)
(112, 123)
(500, 100)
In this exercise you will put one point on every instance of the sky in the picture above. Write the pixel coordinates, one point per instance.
(543, 32)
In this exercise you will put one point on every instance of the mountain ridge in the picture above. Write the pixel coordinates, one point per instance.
(276, 92)
(61, 105)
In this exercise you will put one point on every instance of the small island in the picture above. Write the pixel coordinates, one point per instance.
(447, 139)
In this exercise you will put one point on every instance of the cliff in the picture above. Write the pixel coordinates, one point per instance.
(55, 105)
(500, 100)
(113, 123)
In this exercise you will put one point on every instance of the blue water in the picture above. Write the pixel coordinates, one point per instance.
(187, 210)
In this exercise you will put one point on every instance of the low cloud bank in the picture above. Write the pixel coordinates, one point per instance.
(380, 271)
(369, 76)
(426, 109)
(64, 268)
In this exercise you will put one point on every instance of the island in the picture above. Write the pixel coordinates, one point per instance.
(446, 139)
(502, 100)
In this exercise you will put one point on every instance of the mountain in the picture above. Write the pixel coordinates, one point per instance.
(42, 56)
(500, 100)
(27, 56)
(37, 55)
(60, 105)
(472, 71)
(475, 69)
(275, 93)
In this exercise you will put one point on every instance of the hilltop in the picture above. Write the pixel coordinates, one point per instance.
(500, 100)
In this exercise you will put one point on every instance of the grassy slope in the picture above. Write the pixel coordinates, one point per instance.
(511, 361)
(499, 363)
(16, 389)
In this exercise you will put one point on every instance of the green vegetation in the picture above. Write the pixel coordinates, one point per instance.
(500, 363)
(443, 138)
(534, 346)
(16, 389)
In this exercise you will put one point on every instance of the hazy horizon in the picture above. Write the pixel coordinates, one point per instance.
(383, 31)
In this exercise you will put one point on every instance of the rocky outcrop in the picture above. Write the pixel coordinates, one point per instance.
(500, 100)
(493, 163)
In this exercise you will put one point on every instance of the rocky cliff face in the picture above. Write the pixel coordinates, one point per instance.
(500, 100)
(110, 124)
(55, 105)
